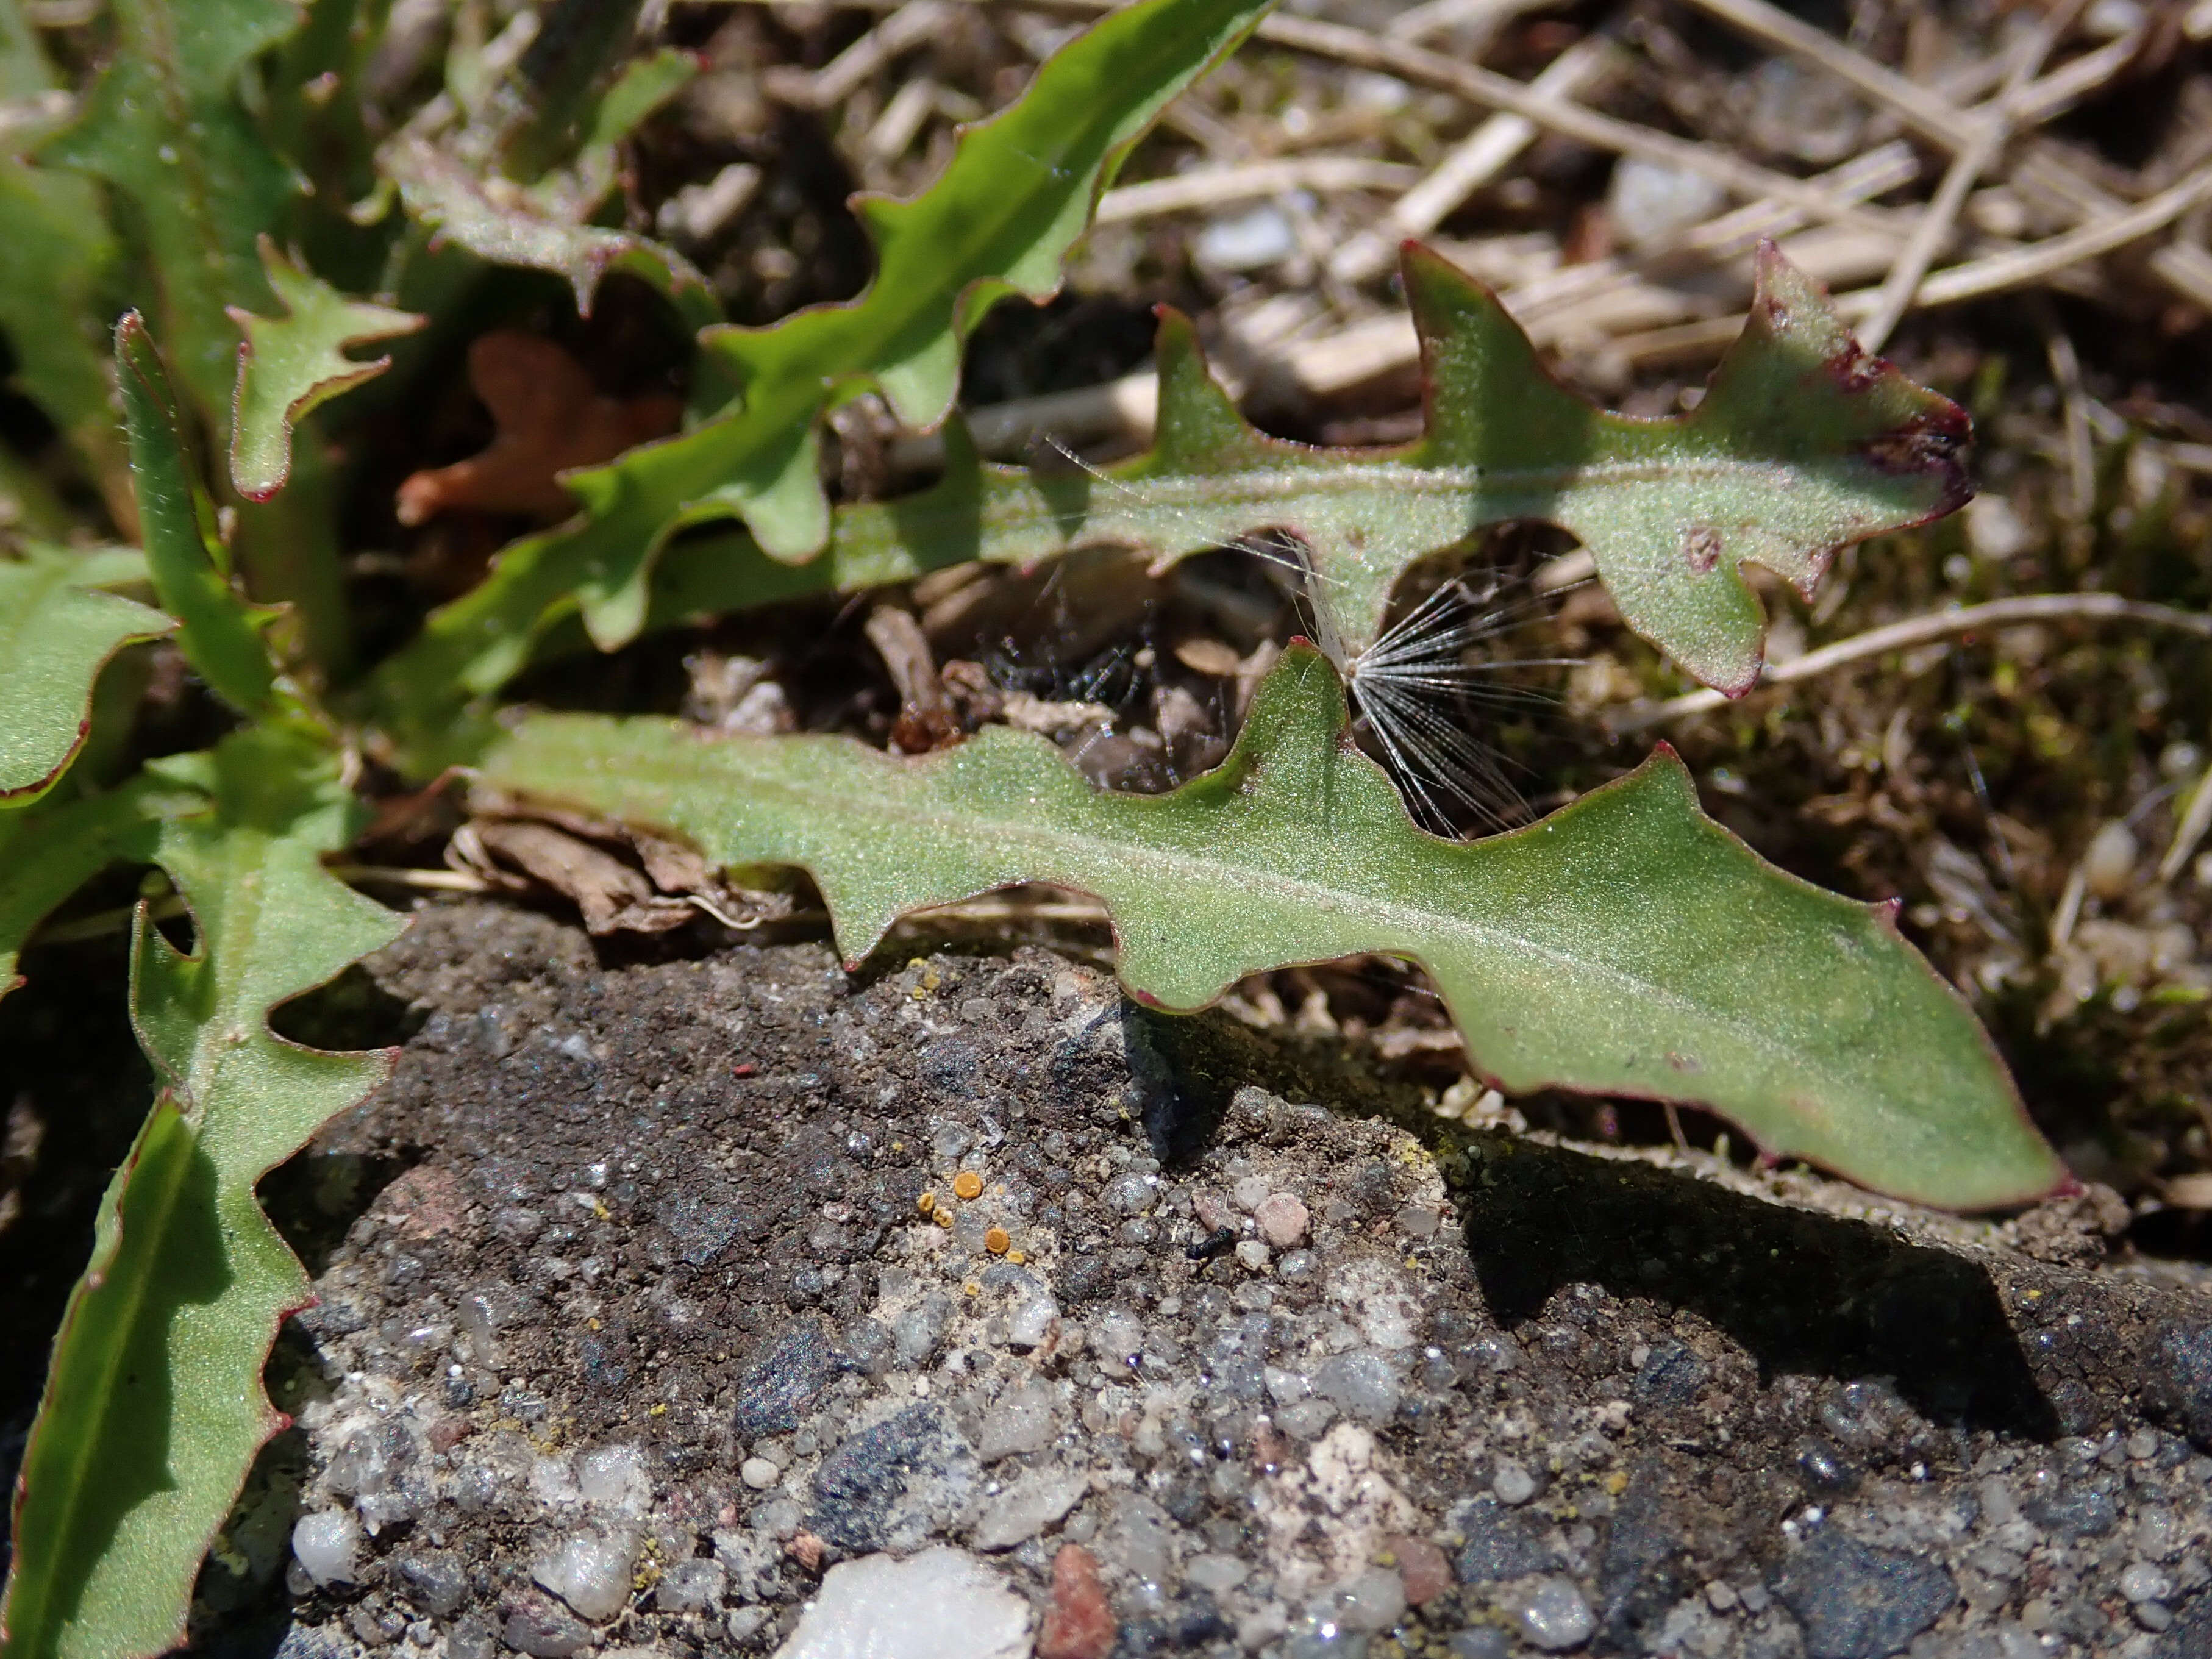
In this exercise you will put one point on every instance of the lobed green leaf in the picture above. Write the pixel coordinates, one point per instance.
(1018, 191)
(153, 1407)
(1626, 944)
(164, 126)
(57, 630)
(292, 363)
(61, 258)
(1801, 445)
(449, 197)
(219, 632)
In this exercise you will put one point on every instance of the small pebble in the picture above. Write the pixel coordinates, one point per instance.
(2152, 1615)
(2141, 1582)
(591, 1571)
(1033, 1502)
(1306, 1419)
(1648, 200)
(614, 1478)
(1283, 1220)
(1373, 1601)
(1995, 529)
(1480, 1642)
(967, 1185)
(1129, 1195)
(1553, 1616)
(1246, 241)
(1512, 1482)
(1418, 1221)
(691, 1587)
(1029, 1323)
(1422, 1568)
(326, 1543)
(1254, 1256)
(759, 1474)
(1215, 1574)
(2108, 866)
(1249, 1194)
(1078, 1622)
(940, 1604)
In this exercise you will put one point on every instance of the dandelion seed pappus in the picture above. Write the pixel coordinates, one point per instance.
(1426, 689)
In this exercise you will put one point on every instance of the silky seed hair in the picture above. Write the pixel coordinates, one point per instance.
(1423, 688)
(1426, 690)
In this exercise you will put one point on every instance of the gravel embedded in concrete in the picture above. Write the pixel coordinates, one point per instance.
(638, 1340)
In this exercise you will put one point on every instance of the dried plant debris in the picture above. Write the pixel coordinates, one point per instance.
(548, 418)
(620, 879)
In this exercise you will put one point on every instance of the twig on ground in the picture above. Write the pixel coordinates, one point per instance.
(1601, 131)
(1923, 630)
(1216, 187)
(2195, 821)
(1927, 112)
(908, 27)
(1472, 163)
(2080, 458)
(1994, 131)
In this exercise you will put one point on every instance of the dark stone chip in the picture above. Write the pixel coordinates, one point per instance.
(1500, 1544)
(2177, 1379)
(1856, 1602)
(1671, 1375)
(1824, 1468)
(2191, 1635)
(777, 1387)
(2075, 1508)
(434, 1581)
(1641, 1574)
(874, 1491)
(1478, 1641)
(543, 1631)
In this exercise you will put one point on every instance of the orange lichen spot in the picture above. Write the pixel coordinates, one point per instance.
(996, 1241)
(943, 1215)
(925, 1203)
(1017, 1257)
(968, 1184)
(973, 1287)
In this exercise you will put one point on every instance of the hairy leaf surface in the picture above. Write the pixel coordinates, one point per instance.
(220, 632)
(60, 255)
(165, 127)
(1018, 191)
(1626, 944)
(1801, 446)
(153, 1406)
(292, 363)
(448, 195)
(55, 631)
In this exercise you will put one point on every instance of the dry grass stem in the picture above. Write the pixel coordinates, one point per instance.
(1606, 132)
(1218, 187)
(1472, 163)
(1927, 112)
(1923, 630)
